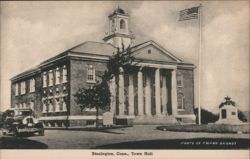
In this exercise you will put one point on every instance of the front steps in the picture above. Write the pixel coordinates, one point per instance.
(154, 120)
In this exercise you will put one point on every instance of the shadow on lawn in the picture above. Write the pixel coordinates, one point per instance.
(9, 142)
(197, 143)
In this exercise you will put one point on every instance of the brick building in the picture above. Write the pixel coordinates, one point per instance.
(161, 91)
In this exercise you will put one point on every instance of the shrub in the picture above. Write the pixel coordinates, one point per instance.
(242, 116)
(206, 116)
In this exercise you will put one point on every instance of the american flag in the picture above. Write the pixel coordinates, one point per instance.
(190, 13)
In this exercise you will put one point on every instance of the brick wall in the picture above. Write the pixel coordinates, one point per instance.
(78, 79)
(28, 96)
(187, 90)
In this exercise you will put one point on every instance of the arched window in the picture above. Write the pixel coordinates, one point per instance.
(122, 24)
(113, 25)
(180, 101)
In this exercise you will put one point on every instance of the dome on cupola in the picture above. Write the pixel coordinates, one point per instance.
(119, 11)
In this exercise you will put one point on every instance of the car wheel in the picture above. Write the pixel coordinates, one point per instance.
(41, 132)
(16, 133)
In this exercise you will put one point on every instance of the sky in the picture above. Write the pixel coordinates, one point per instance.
(32, 32)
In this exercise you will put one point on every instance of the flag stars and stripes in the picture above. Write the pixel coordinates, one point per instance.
(190, 13)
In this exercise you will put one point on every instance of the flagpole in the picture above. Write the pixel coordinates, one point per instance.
(199, 65)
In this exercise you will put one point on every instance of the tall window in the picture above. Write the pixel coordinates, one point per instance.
(180, 101)
(64, 74)
(57, 106)
(51, 78)
(57, 92)
(179, 79)
(122, 24)
(113, 25)
(32, 85)
(44, 79)
(51, 105)
(64, 90)
(45, 108)
(57, 75)
(23, 87)
(64, 108)
(91, 74)
(16, 89)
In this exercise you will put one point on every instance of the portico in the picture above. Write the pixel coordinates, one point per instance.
(148, 92)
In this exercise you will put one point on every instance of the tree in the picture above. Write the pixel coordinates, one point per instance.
(99, 95)
(206, 116)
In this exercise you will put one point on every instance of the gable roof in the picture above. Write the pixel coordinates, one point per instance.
(92, 47)
(151, 42)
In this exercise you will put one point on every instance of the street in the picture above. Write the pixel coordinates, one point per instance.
(87, 139)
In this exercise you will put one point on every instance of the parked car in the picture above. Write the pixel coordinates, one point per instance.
(20, 121)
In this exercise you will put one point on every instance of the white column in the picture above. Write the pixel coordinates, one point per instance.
(140, 93)
(113, 96)
(174, 93)
(121, 92)
(157, 92)
(131, 94)
(148, 96)
(164, 95)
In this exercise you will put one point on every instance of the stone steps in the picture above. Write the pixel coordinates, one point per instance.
(154, 120)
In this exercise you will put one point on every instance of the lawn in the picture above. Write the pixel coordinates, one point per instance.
(212, 128)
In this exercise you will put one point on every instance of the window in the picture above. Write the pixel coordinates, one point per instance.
(51, 105)
(122, 24)
(233, 113)
(91, 74)
(57, 91)
(64, 74)
(57, 75)
(44, 79)
(32, 85)
(44, 92)
(64, 104)
(45, 108)
(16, 89)
(64, 90)
(57, 104)
(23, 87)
(223, 113)
(179, 79)
(113, 25)
(180, 101)
(50, 92)
(51, 78)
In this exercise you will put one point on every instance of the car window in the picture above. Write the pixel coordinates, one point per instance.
(24, 113)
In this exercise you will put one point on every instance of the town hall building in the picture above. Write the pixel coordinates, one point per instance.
(160, 91)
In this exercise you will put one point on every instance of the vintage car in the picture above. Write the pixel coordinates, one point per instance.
(21, 121)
